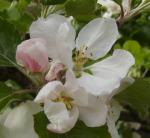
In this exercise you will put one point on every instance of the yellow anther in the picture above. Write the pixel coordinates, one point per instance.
(79, 60)
(66, 100)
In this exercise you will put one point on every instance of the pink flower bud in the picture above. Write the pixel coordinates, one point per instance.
(56, 72)
(32, 54)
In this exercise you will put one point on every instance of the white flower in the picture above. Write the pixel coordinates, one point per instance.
(112, 117)
(18, 122)
(93, 41)
(64, 104)
(114, 8)
(97, 36)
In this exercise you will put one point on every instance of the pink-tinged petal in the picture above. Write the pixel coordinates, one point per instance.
(56, 72)
(32, 54)
(59, 34)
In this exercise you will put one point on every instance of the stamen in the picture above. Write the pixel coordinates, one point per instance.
(79, 60)
(66, 100)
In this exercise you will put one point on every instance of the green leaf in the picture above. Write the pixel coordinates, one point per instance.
(13, 14)
(20, 14)
(4, 4)
(9, 39)
(5, 62)
(4, 90)
(12, 97)
(146, 54)
(137, 96)
(22, 4)
(81, 9)
(4, 101)
(79, 131)
(135, 48)
(13, 85)
(53, 2)
(7, 95)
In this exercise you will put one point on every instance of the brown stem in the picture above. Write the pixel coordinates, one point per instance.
(121, 17)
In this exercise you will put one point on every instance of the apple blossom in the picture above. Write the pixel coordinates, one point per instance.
(112, 117)
(64, 104)
(32, 55)
(114, 8)
(93, 41)
(18, 122)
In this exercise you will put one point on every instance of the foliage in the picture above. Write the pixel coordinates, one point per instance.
(9, 38)
(137, 96)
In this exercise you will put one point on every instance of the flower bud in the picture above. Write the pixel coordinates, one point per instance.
(32, 55)
(56, 72)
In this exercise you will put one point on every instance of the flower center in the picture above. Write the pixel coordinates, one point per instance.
(79, 60)
(66, 100)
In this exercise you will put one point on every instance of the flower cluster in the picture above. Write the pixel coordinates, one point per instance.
(75, 89)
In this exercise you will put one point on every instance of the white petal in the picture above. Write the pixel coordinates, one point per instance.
(108, 72)
(50, 91)
(98, 86)
(61, 119)
(111, 6)
(33, 107)
(95, 115)
(126, 5)
(59, 34)
(80, 97)
(116, 65)
(19, 123)
(73, 89)
(114, 113)
(99, 35)
(71, 83)
(3, 117)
